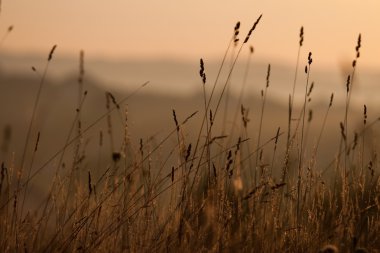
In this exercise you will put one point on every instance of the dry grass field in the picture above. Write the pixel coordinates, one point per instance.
(258, 184)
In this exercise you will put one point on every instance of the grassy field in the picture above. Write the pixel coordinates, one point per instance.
(205, 187)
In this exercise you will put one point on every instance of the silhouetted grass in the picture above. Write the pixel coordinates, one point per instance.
(196, 196)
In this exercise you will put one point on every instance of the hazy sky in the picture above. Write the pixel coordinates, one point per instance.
(191, 29)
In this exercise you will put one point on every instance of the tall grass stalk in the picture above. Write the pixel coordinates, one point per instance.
(301, 154)
(323, 125)
(243, 111)
(28, 136)
(264, 98)
(345, 130)
(291, 104)
(227, 97)
(34, 111)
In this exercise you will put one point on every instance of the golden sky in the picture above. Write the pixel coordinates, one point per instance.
(191, 29)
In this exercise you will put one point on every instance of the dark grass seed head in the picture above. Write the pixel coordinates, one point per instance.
(52, 52)
(141, 148)
(342, 130)
(236, 29)
(89, 183)
(309, 58)
(252, 29)
(175, 120)
(202, 71)
(331, 99)
(310, 89)
(211, 117)
(348, 83)
(238, 146)
(370, 168)
(113, 100)
(188, 152)
(301, 36)
(277, 135)
(355, 141)
(202, 67)
(358, 46)
(310, 116)
(236, 32)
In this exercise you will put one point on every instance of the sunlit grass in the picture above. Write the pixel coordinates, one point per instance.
(222, 191)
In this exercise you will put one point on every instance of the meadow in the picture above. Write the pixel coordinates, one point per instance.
(220, 179)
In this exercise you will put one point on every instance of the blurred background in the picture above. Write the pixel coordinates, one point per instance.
(129, 42)
(189, 30)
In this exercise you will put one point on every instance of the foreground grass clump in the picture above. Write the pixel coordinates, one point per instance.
(226, 190)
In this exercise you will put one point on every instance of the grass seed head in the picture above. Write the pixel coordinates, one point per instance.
(348, 83)
(252, 29)
(202, 71)
(342, 130)
(52, 52)
(301, 36)
(309, 58)
(358, 46)
(331, 99)
(236, 32)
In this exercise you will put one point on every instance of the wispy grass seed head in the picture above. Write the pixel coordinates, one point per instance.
(331, 99)
(252, 29)
(268, 75)
(202, 71)
(357, 49)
